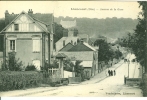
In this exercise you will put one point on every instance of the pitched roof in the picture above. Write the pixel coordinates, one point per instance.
(41, 25)
(80, 55)
(92, 40)
(68, 24)
(67, 38)
(45, 18)
(61, 55)
(82, 47)
(67, 47)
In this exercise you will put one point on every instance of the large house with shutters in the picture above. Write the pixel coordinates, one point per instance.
(30, 36)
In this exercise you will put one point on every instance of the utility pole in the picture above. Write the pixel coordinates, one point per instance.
(128, 67)
(145, 16)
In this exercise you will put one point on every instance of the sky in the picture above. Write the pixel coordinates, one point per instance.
(89, 9)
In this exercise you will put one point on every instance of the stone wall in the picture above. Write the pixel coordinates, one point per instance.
(133, 81)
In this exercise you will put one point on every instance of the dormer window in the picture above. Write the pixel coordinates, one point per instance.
(16, 27)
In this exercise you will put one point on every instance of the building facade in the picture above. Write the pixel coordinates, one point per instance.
(69, 35)
(29, 37)
(85, 53)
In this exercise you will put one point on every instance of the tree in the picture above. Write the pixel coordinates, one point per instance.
(139, 37)
(58, 30)
(105, 51)
(68, 65)
(2, 25)
(12, 63)
(79, 70)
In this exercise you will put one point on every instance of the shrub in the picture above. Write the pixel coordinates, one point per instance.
(11, 80)
(12, 63)
(144, 85)
(30, 68)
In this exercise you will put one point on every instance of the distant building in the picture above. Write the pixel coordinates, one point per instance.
(85, 53)
(90, 40)
(68, 24)
(64, 41)
(83, 37)
(29, 35)
(69, 35)
(66, 47)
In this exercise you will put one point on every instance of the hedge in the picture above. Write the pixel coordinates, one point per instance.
(11, 80)
(144, 85)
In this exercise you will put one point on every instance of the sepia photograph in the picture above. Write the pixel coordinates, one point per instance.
(73, 48)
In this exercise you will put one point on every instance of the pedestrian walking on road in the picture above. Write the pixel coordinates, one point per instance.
(111, 73)
(114, 73)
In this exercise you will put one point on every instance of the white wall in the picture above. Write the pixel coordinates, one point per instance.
(68, 74)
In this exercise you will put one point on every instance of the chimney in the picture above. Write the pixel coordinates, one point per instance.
(30, 12)
(6, 17)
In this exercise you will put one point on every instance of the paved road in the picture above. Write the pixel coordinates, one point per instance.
(112, 86)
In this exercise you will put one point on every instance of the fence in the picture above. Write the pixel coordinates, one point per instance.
(74, 80)
(54, 74)
(132, 81)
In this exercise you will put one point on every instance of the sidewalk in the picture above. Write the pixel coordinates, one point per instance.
(27, 91)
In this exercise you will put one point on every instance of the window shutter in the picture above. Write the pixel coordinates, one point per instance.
(8, 45)
(36, 45)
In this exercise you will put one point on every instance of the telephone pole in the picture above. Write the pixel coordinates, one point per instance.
(145, 16)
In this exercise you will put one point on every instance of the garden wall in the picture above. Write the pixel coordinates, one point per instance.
(74, 80)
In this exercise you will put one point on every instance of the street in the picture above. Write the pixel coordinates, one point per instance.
(101, 85)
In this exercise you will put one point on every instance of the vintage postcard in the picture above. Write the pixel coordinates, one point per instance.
(72, 49)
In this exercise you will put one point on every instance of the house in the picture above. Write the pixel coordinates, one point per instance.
(83, 37)
(66, 47)
(64, 41)
(30, 36)
(69, 36)
(85, 53)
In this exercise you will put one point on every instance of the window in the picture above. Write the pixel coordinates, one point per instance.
(16, 27)
(36, 45)
(12, 45)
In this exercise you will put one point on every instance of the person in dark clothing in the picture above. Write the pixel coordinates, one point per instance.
(111, 73)
(114, 73)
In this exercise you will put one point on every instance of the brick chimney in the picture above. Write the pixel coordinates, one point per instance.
(30, 12)
(6, 17)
